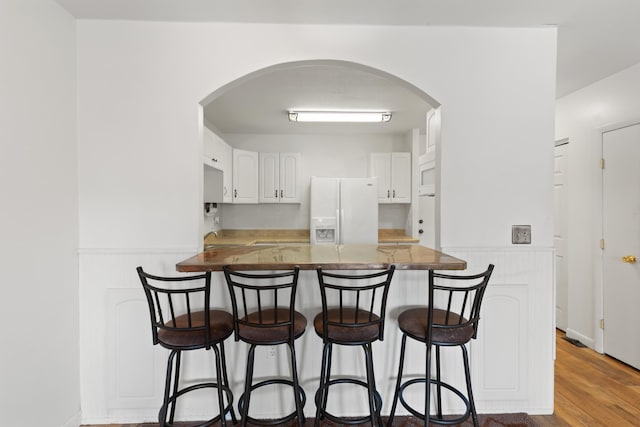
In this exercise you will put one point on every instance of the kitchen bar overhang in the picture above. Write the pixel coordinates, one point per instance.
(310, 257)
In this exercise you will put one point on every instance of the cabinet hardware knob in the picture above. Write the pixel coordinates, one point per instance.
(421, 231)
(281, 194)
(420, 221)
(388, 194)
(235, 193)
(631, 259)
(394, 194)
(276, 195)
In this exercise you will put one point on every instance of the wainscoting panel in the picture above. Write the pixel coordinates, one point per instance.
(500, 353)
(512, 359)
(122, 373)
(133, 372)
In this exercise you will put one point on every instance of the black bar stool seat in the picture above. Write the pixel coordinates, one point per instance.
(273, 335)
(220, 328)
(413, 322)
(344, 334)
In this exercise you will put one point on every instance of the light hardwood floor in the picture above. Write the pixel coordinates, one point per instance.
(591, 390)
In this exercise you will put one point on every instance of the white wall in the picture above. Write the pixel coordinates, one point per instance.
(579, 117)
(321, 155)
(39, 227)
(139, 85)
(139, 88)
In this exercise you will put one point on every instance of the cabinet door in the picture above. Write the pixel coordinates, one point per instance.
(207, 144)
(227, 175)
(380, 167)
(213, 149)
(245, 176)
(212, 184)
(401, 177)
(289, 178)
(269, 178)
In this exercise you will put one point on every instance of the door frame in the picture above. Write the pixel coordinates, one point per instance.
(599, 220)
(559, 143)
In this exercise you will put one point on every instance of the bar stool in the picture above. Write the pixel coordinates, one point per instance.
(353, 314)
(191, 330)
(260, 320)
(454, 325)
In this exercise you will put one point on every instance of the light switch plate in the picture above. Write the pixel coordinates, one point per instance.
(521, 234)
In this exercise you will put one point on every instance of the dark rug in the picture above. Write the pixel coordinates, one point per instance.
(574, 341)
(486, 420)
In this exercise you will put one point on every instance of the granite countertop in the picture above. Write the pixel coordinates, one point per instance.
(395, 235)
(286, 236)
(332, 257)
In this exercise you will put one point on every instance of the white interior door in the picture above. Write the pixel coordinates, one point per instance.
(621, 227)
(560, 233)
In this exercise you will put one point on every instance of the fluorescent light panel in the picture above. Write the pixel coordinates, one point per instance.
(340, 116)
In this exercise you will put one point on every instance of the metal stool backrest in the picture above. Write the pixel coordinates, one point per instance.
(256, 296)
(360, 299)
(183, 297)
(458, 300)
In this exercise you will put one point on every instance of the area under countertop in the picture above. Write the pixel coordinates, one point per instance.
(279, 236)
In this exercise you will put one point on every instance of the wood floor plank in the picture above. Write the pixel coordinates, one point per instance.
(592, 389)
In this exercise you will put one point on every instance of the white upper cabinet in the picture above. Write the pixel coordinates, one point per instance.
(279, 178)
(245, 176)
(227, 174)
(428, 146)
(214, 149)
(401, 177)
(393, 171)
(380, 167)
(218, 155)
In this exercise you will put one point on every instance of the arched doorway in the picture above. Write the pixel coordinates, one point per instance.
(250, 113)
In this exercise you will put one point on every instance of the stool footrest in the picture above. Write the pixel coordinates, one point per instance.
(345, 420)
(436, 419)
(271, 422)
(173, 398)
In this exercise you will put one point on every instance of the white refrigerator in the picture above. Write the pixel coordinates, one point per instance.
(344, 210)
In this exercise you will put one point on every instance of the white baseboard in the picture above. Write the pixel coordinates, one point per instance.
(74, 421)
(589, 342)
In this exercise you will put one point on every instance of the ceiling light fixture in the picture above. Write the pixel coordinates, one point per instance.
(340, 116)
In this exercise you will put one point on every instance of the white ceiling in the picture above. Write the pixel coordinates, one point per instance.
(260, 104)
(596, 38)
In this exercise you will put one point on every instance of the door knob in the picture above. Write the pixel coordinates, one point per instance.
(631, 259)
